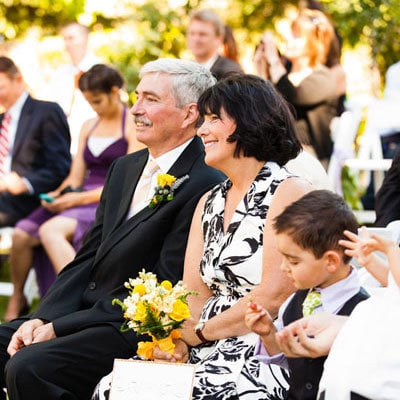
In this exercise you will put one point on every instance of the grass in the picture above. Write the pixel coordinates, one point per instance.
(5, 277)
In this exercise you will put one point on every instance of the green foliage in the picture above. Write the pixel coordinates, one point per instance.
(375, 23)
(351, 188)
(159, 29)
(155, 31)
(17, 16)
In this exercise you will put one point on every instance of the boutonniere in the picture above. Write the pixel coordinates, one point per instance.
(166, 186)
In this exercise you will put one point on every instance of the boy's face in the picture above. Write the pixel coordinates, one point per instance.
(301, 266)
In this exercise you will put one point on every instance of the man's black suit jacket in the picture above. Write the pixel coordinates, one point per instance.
(387, 200)
(223, 66)
(41, 154)
(116, 249)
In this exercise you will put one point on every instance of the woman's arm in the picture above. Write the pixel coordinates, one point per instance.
(78, 167)
(191, 274)
(317, 87)
(274, 288)
(74, 179)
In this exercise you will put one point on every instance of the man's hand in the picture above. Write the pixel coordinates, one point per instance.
(44, 333)
(14, 184)
(33, 331)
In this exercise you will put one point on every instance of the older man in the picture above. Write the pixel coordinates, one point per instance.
(204, 39)
(76, 330)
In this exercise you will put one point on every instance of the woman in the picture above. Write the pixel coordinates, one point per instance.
(248, 133)
(60, 224)
(308, 84)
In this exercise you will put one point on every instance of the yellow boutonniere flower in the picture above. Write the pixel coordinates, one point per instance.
(166, 185)
(165, 180)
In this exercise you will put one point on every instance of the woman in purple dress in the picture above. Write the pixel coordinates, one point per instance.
(66, 214)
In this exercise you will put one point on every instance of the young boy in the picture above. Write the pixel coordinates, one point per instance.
(307, 234)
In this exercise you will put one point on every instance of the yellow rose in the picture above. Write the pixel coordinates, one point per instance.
(141, 311)
(145, 350)
(180, 311)
(165, 180)
(140, 288)
(166, 285)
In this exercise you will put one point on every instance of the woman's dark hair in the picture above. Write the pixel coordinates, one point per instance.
(100, 78)
(264, 123)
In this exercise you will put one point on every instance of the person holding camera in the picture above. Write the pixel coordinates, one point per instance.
(65, 215)
(302, 76)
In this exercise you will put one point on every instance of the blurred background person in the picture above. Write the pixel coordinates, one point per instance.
(387, 200)
(333, 59)
(383, 126)
(383, 118)
(229, 47)
(60, 224)
(304, 80)
(34, 146)
(205, 36)
(63, 85)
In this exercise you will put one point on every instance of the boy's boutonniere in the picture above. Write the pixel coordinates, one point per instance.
(166, 186)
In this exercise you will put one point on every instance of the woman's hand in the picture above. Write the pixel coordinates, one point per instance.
(260, 63)
(181, 354)
(64, 202)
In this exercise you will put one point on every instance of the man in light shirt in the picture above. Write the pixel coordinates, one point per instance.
(63, 87)
(204, 39)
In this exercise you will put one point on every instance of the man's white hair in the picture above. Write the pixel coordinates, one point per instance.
(189, 79)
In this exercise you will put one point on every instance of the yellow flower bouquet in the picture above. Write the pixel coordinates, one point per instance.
(156, 309)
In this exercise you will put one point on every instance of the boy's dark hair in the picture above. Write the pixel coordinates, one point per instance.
(265, 127)
(316, 222)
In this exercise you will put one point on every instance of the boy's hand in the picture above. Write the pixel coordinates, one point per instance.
(258, 320)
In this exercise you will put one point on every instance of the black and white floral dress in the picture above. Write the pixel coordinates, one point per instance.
(231, 267)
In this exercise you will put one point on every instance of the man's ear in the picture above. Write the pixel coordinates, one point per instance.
(332, 260)
(192, 115)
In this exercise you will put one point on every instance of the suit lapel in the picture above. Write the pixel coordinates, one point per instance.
(181, 167)
(184, 163)
(23, 124)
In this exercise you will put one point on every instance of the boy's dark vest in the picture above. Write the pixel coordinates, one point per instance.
(305, 373)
